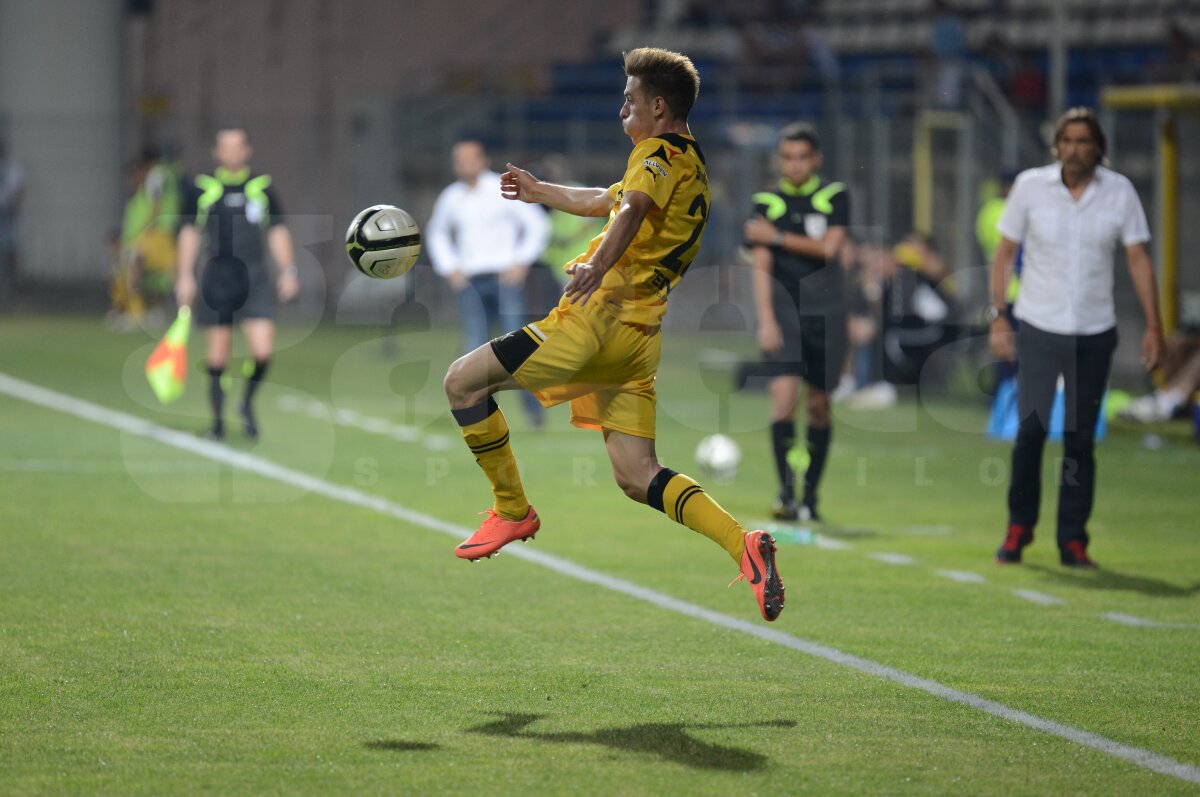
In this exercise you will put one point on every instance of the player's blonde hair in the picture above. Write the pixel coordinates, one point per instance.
(665, 74)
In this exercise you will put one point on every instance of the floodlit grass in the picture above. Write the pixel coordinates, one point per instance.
(172, 625)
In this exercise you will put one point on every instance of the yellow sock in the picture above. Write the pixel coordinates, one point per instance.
(682, 500)
(486, 432)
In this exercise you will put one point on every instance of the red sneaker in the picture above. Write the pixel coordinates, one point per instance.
(1015, 540)
(1074, 554)
(495, 532)
(758, 568)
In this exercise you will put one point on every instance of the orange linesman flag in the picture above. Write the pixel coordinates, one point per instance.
(166, 370)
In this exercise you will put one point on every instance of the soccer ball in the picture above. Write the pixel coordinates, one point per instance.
(719, 456)
(383, 242)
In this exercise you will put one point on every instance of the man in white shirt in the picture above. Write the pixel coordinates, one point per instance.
(484, 245)
(1069, 216)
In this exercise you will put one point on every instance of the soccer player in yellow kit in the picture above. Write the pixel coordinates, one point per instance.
(599, 348)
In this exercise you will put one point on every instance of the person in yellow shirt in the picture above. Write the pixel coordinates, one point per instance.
(599, 348)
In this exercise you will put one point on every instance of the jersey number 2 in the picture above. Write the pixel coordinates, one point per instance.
(674, 261)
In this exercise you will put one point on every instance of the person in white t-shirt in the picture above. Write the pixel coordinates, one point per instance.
(1070, 217)
(484, 245)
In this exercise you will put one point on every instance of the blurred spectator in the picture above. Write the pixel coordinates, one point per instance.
(569, 235)
(12, 188)
(781, 43)
(999, 59)
(484, 246)
(1183, 56)
(994, 195)
(1028, 89)
(948, 46)
(1181, 375)
(914, 313)
(145, 269)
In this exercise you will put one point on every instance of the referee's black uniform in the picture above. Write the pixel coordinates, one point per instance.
(233, 211)
(808, 293)
(809, 300)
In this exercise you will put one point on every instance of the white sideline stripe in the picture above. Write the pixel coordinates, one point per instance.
(50, 399)
(347, 417)
(82, 466)
(830, 544)
(962, 576)
(1040, 598)
(892, 558)
(1138, 622)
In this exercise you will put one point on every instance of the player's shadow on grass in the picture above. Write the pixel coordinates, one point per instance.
(667, 740)
(399, 745)
(1106, 579)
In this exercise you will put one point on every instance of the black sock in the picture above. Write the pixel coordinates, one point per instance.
(260, 370)
(818, 452)
(783, 437)
(216, 396)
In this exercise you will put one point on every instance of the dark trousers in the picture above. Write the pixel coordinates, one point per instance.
(487, 304)
(1083, 361)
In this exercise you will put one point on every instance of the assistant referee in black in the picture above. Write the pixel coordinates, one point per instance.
(796, 232)
(228, 217)
(1070, 217)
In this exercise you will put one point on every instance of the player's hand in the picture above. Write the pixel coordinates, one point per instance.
(517, 183)
(1152, 348)
(288, 285)
(1002, 340)
(759, 232)
(585, 279)
(770, 336)
(514, 276)
(185, 290)
(458, 281)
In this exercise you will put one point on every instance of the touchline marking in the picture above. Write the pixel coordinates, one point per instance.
(892, 558)
(962, 576)
(1138, 622)
(1040, 598)
(49, 399)
(347, 417)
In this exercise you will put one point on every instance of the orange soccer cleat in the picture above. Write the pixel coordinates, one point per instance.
(495, 532)
(758, 568)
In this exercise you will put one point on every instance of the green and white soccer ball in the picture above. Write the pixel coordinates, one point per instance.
(718, 457)
(383, 242)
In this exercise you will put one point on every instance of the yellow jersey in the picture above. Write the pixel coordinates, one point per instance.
(670, 169)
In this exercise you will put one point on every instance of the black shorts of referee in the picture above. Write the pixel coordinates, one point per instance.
(814, 349)
(232, 290)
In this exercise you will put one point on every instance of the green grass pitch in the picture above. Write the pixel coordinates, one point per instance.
(171, 625)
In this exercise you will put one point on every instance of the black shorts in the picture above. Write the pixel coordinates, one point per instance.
(231, 290)
(814, 349)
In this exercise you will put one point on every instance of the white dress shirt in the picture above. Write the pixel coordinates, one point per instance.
(475, 230)
(1067, 261)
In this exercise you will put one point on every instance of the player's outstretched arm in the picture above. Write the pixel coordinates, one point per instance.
(516, 183)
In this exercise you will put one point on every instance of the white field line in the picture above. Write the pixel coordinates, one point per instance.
(1040, 598)
(892, 558)
(962, 576)
(399, 432)
(1138, 622)
(86, 466)
(48, 399)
